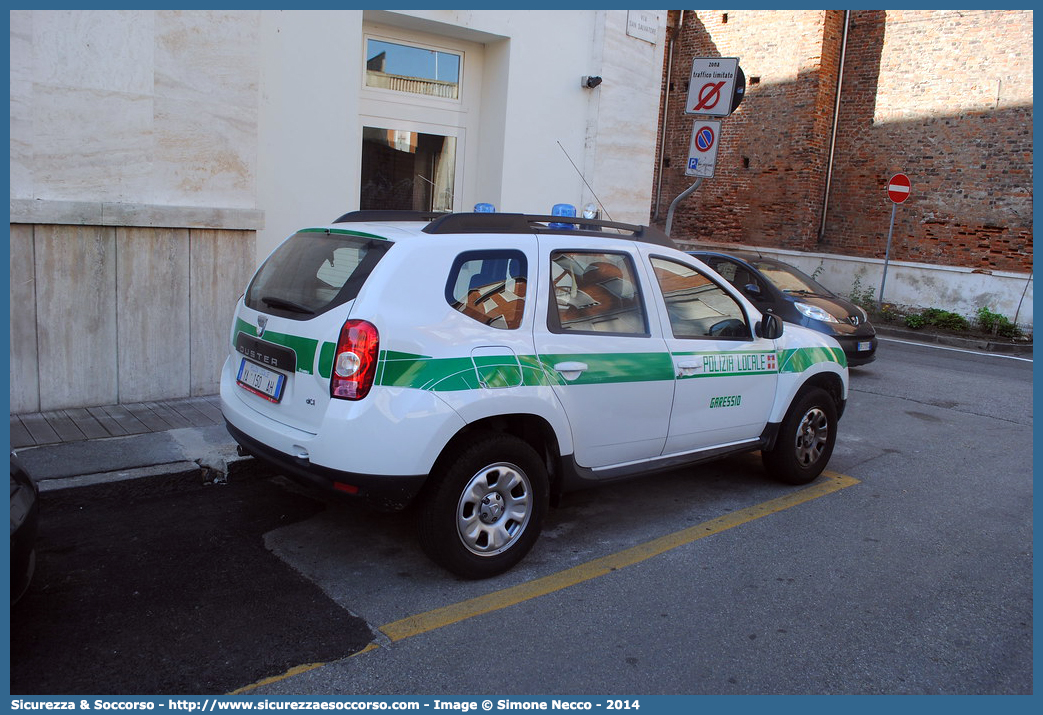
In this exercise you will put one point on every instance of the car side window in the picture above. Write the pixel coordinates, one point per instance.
(726, 269)
(698, 307)
(741, 278)
(489, 287)
(594, 292)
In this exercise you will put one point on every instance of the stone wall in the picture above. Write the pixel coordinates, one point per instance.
(127, 128)
(108, 314)
(772, 152)
(943, 96)
(953, 111)
(134, 106)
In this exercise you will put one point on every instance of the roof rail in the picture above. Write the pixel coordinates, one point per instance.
(526, 223)
(388, 215)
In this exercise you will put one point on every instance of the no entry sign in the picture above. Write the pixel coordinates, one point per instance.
(898, 188)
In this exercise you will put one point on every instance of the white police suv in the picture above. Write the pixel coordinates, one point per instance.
(484, 363)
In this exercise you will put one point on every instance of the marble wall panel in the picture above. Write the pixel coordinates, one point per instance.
(21, 104)
(91, 145)
(105, 315)
(107, 50)
(205, 153)
(75, 269)
(221, 265)
(25, 372)
(147, 107)
(626, 118)
(152, 306)
(206, 84)
(208, 56)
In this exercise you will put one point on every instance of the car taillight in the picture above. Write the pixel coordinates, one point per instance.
(355, 362)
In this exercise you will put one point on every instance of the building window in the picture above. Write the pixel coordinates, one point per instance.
(417, 70)
(407, 170)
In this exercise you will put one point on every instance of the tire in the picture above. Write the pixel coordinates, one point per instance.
(485, 506)
(805, 440)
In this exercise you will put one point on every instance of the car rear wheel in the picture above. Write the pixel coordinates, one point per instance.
(805, 440)
(485, 507)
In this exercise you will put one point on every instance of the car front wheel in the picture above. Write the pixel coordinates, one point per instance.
(485, 507)
(805, 440)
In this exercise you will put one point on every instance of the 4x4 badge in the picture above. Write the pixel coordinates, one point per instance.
(262, 321)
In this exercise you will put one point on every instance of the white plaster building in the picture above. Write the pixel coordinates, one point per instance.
(158, 156)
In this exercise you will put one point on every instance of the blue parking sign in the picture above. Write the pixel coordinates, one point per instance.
(702, 150)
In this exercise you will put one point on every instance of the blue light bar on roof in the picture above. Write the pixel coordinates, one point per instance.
(562, 210)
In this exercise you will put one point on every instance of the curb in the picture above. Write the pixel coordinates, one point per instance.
(981, 344)
(150, 481)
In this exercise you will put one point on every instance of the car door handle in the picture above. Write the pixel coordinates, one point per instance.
(570, 370)
(689, 366)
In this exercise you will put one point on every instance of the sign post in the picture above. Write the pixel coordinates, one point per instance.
(898, 190)
(716, 86)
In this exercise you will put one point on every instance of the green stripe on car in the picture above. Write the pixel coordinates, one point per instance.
(423, 372)
(612, 367)
(342, 232)
(305, 348)
(800, 359)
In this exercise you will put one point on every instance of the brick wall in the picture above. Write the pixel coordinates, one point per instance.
(943, 96)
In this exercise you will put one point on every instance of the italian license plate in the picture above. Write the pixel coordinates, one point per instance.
(261, 381)
(863, 347)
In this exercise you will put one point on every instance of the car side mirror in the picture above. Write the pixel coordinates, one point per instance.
(770, 327)
(753, 289)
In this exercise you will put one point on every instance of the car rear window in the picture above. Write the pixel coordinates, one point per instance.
(314, 271)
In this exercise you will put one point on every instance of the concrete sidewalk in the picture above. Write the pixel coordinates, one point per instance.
(178, 444)
(977, 344)
(189, 447)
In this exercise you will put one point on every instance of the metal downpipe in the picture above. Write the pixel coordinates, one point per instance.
(666, 113)
(836, 123)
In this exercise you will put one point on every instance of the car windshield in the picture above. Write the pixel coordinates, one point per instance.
(788, 279)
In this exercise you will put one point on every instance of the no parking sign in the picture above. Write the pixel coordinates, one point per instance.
(702, 152)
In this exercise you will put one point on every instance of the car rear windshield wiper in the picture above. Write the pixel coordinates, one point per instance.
(273, 302)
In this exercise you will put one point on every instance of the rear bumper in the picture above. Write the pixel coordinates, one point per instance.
(381, 491)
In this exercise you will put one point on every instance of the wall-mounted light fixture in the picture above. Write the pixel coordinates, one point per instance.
(589, 82)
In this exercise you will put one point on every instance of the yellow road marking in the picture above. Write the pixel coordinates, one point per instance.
(454, 613)
(296, 670)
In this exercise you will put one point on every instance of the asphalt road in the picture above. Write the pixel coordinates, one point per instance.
(170, 594)
(906, 569)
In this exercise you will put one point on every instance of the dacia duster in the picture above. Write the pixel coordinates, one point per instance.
(481, 364)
